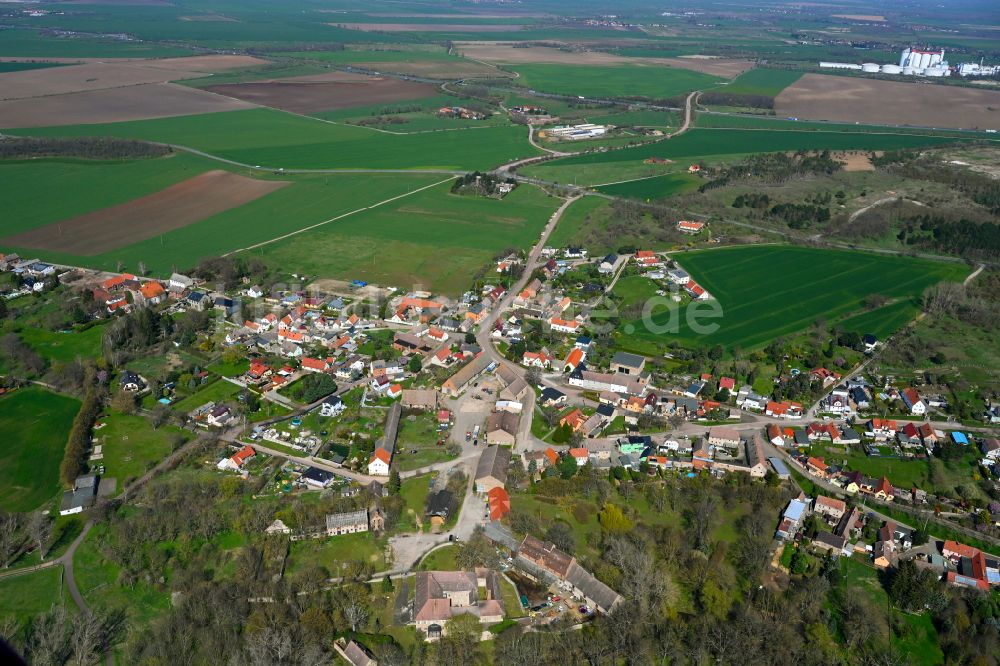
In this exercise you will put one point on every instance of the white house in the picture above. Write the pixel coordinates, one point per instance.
(379, 463)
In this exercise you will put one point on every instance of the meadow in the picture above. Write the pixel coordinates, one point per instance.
(35, 423)
(276, 139)
(432, 238)
(613, 81)
(574, 218)
(746, 121)
(759, 81)
(768, 291)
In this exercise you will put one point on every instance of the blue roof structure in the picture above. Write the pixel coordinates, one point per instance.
(959, 437)
(796, 509)
(779, 467)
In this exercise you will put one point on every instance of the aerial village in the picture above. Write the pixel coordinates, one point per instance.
(366, 388)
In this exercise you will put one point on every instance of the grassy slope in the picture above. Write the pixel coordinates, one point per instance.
(278, 139)
(614, 81)
(35, 424)
(33, 44)
(433, 237)
(768, 291)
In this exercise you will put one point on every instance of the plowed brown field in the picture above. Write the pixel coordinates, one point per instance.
(177, 206)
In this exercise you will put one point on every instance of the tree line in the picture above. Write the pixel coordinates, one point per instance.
(91, 148)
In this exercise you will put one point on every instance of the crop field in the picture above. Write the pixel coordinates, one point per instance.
(532, 55)
(310, 94)
(309, 200)
(759, 81)
(613, 81)
(435, 64)
(112, 105)
(35, 423)
(657, 187)
(853, 99)
(745, 121)
(102, 75)
(23, 66)
(414, 115)
(175, 207)
(432, 238)
(768, 291)
(568, 229)
(34, 44)
(699, 143)
(276, 139)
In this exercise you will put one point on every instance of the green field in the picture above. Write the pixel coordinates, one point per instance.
(768, 291)
(619, 81)
(308, 200)
(883, 321)
(432, 238)
(276, 139)
(131, 446)
(747, 121)
(420, 115)
(29, 595)
(35, 423)
(34, 44)
(759, 81)
(381, 55)
(574, 218)
(699, 143)
(24, 66)
(657, 187)
(64, 347)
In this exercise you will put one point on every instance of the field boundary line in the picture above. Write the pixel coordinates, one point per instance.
(334, 219)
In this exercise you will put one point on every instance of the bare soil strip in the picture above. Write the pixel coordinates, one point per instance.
(143, 102)
(918, 103)
(177, 206)
(119, 74)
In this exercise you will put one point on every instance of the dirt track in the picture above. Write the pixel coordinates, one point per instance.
(153, 100)
(177, 206)
(310, 97)
(850, 99)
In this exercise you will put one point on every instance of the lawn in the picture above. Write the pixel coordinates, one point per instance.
(218, 391)
(442, 559)
(635, 289)
(432, 238)
(919, 642)
(131, 446)
(418, 432)
(414, 493)
(760, 81)
(277, 139)
(29, 595)
(764, 292)
(35, 424)
(334, 552)
(657, 187)
(620, 81)
(64, 346)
